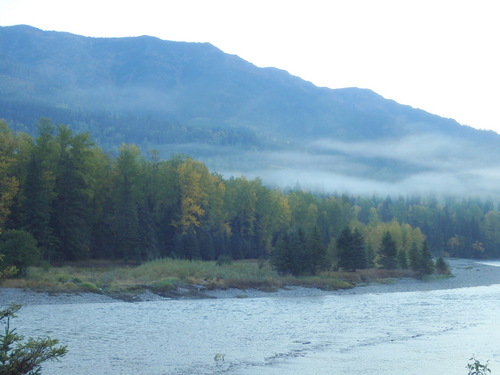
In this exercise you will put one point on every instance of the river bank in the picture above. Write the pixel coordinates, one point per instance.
(466, 273)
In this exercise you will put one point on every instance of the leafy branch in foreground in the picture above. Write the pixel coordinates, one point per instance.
(24, 358)
(477, 368)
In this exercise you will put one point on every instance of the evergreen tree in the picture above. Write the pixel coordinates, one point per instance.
(281, 258)
(346, 259)
(24, 357)
(351, 250)
(206, 244)
(190, 245)
(148, 236)
(300, 258)
(19, 249)
(414, 258)
(39, 195)
(426, 262)
(442, 267)
(388, 252)
(128, 195)
(359, 249)
(72, 216)
(402, 259)
(317, 251)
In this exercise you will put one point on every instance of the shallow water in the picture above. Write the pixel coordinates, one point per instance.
(386, 333)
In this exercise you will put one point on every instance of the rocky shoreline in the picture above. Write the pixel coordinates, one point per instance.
(466, 273)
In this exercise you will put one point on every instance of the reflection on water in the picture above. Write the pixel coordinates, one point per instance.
(388, 333)
(495, 263)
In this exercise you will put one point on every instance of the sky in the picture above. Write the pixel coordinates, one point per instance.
(439, 55)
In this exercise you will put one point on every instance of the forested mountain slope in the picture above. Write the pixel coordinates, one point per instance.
(239, 119)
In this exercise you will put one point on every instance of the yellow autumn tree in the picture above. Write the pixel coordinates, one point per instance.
(193, 197)
(9, 184)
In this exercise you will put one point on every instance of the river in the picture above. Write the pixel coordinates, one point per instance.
(414, 332)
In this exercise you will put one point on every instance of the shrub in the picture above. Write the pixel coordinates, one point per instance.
(168, 283)
(89, 287)
(19, 249)
(224, 259)
(442, 267)
(477, 368)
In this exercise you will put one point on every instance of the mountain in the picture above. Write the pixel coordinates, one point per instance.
(238, 118)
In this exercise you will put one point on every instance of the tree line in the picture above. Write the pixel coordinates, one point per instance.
(62, 198)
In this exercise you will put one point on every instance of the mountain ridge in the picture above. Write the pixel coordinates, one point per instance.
(194, 98)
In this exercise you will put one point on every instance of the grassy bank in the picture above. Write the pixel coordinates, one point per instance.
(167, 275)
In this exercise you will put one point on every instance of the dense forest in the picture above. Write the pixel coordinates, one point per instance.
(64, 198)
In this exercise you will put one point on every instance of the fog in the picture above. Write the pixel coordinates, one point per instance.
(423, 164)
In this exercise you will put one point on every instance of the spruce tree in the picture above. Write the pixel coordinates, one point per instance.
(317, 251)
(24, 357)
(351, 250)
(426, 262)
(359, 250)
(280, 257)
(388, 252)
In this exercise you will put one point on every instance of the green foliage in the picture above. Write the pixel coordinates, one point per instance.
(19, 249)
(89, 287)
(388, 252)
(79, 203)
(351, 250)
(24, 357)
(427, 264)
(224, 259)
(167, 283)
(442, 267)
(8, 271)
(300, 253)
(477, 368)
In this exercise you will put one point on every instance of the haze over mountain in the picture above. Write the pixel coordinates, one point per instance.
(236, 117)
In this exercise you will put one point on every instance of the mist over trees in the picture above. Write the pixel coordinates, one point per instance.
(236, 118)
(62, 198)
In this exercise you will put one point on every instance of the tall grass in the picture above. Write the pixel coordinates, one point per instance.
(165, 274)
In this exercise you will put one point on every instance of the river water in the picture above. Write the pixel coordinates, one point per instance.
(431, 332)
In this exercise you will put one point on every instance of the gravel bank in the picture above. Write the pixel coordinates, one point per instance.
(466, 273)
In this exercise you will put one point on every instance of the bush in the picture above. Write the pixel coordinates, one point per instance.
(224, 259)
(442, 267)
(168, 283)
(89, 287)
(477, 368)
(19, 249)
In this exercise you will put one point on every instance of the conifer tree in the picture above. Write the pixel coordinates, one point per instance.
(24, 357)
(317, 251)
(388, 252)
(351, 250)
(281, 257)
(426, 262)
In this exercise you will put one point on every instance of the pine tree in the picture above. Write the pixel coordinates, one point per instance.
(281, 257)
(39, 195)
(299, 257)
(317, 251)
(24, 357)
(402, 259)
(351, 250)
(359, 249)
(426, 262)
(388, 252)
(346, 259)
(72, 218)
(414, 257)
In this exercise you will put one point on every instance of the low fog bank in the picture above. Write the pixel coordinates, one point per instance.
(420, 164)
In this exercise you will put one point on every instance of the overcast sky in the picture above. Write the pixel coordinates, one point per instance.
(440, 56)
